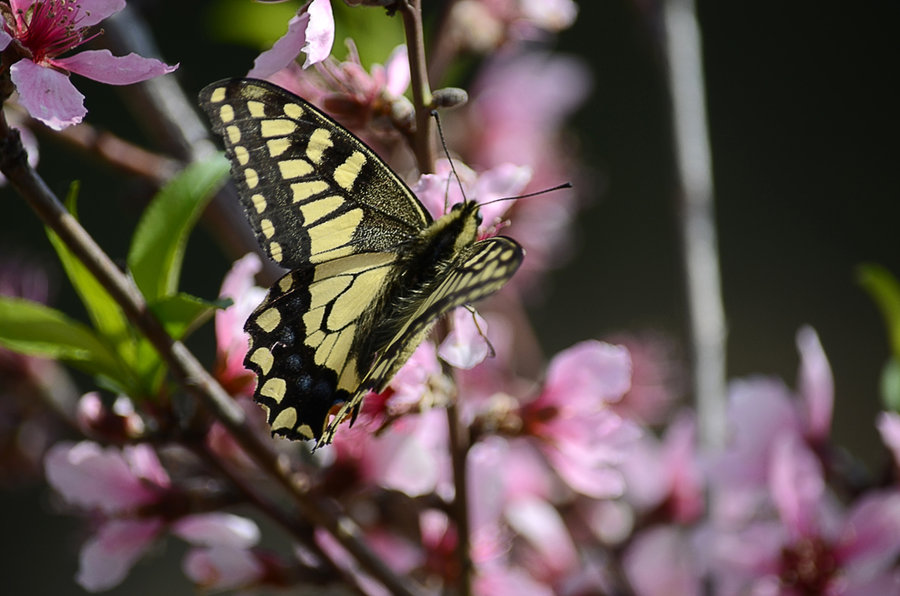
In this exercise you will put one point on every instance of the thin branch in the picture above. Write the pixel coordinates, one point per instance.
(698, 230)
(459, 449)
(411, 11)
(186, 369)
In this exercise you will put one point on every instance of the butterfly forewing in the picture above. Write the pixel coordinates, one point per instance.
(311, 190)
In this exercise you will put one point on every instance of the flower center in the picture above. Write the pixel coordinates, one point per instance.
(50, 27)
(808, 566)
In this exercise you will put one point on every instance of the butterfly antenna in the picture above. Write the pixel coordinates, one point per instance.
(531, 194)
(437, 120)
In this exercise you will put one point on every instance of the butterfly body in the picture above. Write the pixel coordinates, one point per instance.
(371, 271)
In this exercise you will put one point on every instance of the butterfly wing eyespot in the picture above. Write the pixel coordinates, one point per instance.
(364, 287)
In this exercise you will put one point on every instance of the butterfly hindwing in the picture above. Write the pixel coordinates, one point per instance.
(476, 273)
(311, 189)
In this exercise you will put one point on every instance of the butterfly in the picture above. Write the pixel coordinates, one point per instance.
(370, 269)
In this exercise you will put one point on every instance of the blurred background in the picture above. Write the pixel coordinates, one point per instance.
(806, 143)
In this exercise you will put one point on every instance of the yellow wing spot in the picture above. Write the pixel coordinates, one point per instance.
(259, 202)
(323, 292)
(346, 173)
(305, 190)
(353, 265)
(315, 338)
(293, 110)
(340, 349)
(319, 142)
(217, 95)
(316, 210)
(286, 283)
(269, 319)
(276, 128)
(305, 431)
(273, 388)
(263, 358)
(277, 146)
(257, 109)
(251, 177)
(287, 418)
(294, 168)
(312, 319)
(275, 251)
(329, 255)
(267, 228)
(349, 380)
(241, 155)
(351, 304)
(226, 113)
(234, 134)
(323, 352)
(334, 233)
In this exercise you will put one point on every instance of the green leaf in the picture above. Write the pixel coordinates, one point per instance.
(890, 385)
(261, 24)
(37, 330)
(885, 291)
(157, 249)
(104, 312)
(182, 313)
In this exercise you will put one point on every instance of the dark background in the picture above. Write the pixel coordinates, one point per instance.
(802, 99)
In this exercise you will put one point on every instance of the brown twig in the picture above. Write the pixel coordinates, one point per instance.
(411, 11)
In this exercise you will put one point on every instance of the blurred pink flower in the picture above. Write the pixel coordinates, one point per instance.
(889, 426)
(220, 568)
(136, 501)
(576, 430)
(231, 339)
(310, 31)
(816, 548)
(350, 93)
(46, 29)
(664, 477)
(660, 561)
(658, 378)
(762, 409)
(119, 423)
(465, 346)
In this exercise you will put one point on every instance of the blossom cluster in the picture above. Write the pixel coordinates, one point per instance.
(485, 462)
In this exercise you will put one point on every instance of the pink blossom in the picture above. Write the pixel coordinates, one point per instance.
(582, 438)
(660, 561)
(310, 31)
(119, 423)
(136, 501)
(816, 547)
(466, 345)
(665, 476)
(441, 190)
(889, 427)
(220, 568)
(46, 29)
(231, 339)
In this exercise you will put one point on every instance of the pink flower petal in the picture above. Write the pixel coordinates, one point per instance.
(870, 537)
(586, 376)
(47, 94)
(465, 346)
(319, 33)
(217, 529)
(504, 180)
(101, 65)
(797, 485)
(107, 557)
(661, 562)
(87, 475)
(504, 581)
(397, 71)
(283, 51)
(540, 524)
(94, 11)
(231, 339)
(5, 37)
(145, 465)
(816, 384)
(889, 428)
(222, 568)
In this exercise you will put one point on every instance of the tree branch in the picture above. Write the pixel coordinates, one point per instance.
(411, 11)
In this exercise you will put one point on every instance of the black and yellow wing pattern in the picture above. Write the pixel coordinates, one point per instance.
(370, 271)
